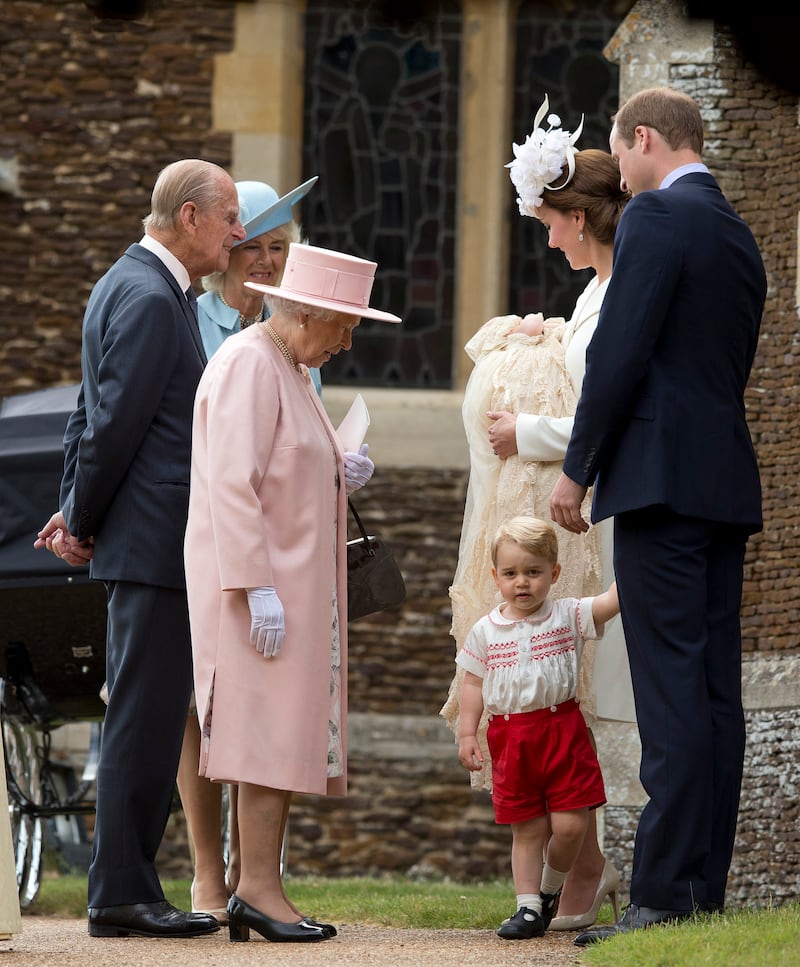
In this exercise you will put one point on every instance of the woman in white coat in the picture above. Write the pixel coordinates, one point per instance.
(266, 570)
(580, 214)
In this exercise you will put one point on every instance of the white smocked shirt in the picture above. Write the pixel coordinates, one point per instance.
(530, 663)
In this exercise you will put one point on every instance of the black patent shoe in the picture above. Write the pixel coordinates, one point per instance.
(549, 906)
(524, 925)
(241, 917)
(159, 919)
(634, 918)
(326, 928)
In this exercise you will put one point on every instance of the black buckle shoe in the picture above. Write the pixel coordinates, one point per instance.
(549, 906)
(524, 925)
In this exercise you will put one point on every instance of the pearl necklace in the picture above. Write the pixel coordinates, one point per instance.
(244, 321)
(266, 327)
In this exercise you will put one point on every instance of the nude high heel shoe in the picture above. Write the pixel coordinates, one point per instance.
(608, 886)
(220, 914)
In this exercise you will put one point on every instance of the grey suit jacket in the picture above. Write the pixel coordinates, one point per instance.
(127, 445)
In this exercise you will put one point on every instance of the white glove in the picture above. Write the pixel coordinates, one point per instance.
(267, 629)
(358, 468)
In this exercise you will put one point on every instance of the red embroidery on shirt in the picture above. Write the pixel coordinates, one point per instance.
(472, 654)
(549, 644)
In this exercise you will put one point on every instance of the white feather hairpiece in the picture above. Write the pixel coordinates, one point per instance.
(541, 159)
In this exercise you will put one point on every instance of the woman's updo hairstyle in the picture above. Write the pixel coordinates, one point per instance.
(594, 189)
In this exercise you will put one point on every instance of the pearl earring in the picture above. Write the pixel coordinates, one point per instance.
(580, 236)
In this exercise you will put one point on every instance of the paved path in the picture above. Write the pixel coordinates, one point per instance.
(57, 942)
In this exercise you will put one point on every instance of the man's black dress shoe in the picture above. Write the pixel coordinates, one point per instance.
(634, 918)
(524, 925)
(159, 919)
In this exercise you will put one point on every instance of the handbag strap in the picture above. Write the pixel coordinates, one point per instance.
(361, 527)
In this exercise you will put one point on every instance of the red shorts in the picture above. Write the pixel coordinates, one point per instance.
(543, 762)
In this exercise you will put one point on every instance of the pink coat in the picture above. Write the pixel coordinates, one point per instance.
(263, 506)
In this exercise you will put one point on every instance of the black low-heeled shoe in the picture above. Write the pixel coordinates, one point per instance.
(326, 928)
(241, 917)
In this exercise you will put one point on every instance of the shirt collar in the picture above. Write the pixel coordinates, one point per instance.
(537, 617)
(691, 168)
(175, 266)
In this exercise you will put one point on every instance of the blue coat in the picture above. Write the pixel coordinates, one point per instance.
(218, 321)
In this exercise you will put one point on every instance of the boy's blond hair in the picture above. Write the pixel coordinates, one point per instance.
(536, 536)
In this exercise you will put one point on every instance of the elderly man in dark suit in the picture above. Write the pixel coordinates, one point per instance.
(661, 431)
(124, 504)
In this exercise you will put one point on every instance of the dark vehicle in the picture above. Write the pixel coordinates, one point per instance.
(52, 643)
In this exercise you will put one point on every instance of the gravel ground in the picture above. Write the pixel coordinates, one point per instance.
(56, 942)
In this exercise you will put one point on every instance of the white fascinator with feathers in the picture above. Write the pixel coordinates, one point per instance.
(540, 160)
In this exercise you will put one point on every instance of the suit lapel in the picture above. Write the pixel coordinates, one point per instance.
(137, 251)
(194, 328)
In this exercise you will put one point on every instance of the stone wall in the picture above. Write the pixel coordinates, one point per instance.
(91, 110)
(753, 145)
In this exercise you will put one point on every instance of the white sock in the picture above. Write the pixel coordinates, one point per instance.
(530, 900)
(552, 880)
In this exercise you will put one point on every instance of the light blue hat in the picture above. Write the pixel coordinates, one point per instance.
(260, 209)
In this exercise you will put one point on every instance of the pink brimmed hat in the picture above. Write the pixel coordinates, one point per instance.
(328, 279)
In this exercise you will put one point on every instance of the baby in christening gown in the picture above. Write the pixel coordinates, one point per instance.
(519, 367)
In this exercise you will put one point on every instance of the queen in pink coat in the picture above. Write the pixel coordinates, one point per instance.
(266, 570)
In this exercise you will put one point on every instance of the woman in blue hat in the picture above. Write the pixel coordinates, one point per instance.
(228, 306)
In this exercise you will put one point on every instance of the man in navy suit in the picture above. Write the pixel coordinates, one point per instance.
(661, 432)
(124, 505)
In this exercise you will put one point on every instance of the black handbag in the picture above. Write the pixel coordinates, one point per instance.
(374, 580)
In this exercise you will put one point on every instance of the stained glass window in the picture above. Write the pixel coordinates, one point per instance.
(380, 111)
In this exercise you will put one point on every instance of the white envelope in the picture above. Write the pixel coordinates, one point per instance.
(353, 428)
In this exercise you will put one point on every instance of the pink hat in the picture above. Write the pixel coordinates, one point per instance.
(331, 280)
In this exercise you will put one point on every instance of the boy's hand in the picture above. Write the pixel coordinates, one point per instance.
(469, 753)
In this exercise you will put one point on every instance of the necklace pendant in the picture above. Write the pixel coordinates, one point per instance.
(244, 321)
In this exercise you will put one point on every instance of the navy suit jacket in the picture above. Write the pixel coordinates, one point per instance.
(661, 417)
(127, 446)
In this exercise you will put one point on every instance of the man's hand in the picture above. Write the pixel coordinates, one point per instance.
(565, 505)
(56, 538)
(503, 433)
